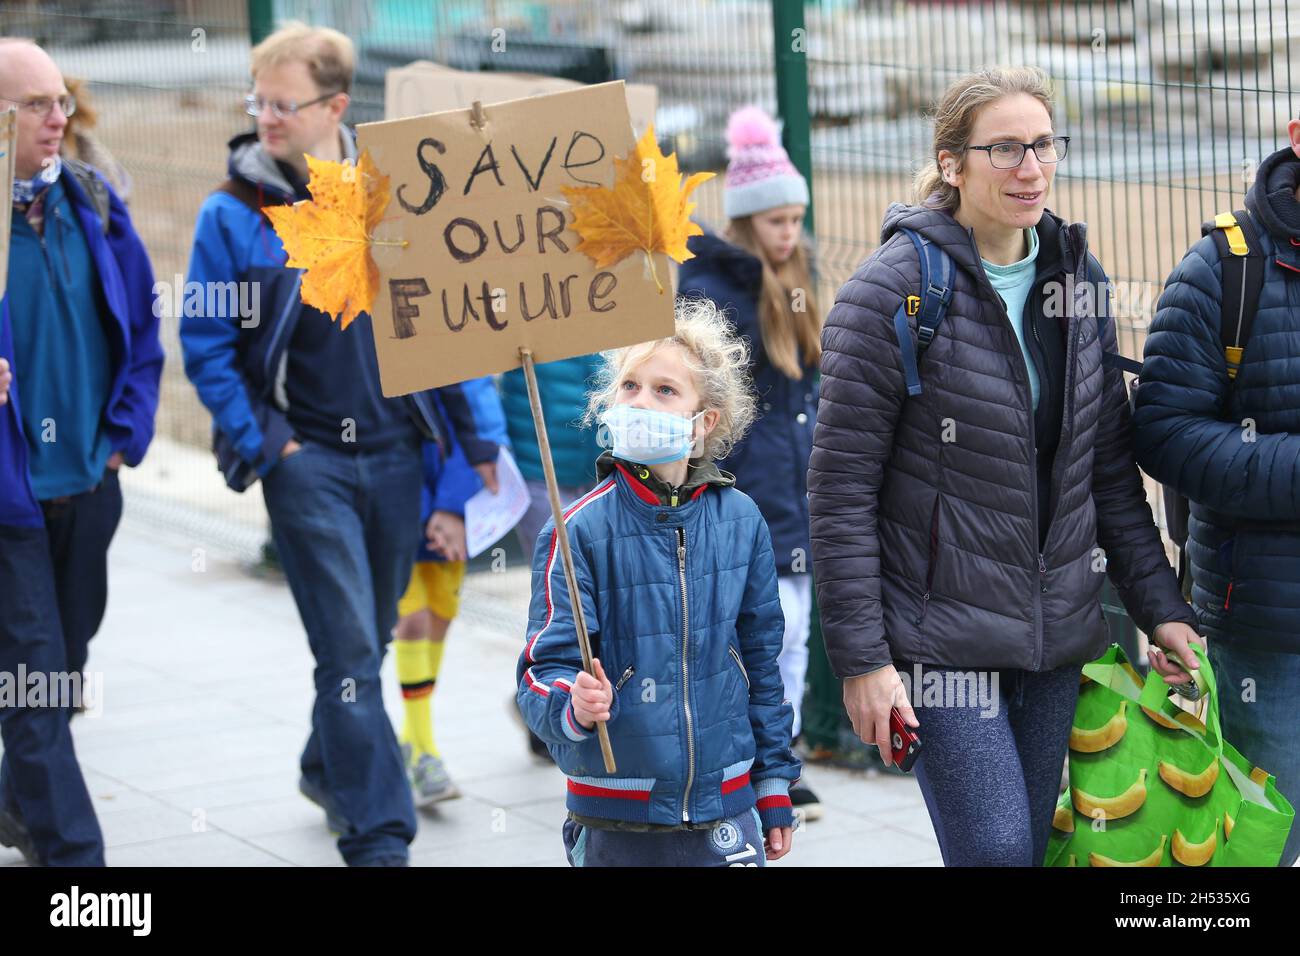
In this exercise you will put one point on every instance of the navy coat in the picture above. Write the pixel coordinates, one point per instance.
(771, 463)
(1235, 453)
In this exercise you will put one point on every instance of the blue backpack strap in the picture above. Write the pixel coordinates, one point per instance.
(936, 289)
(930, 306)
(907, 350)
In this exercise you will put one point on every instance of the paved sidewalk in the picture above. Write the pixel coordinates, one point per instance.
(207, 695)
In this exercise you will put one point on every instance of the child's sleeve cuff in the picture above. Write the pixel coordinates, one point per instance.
(773, 803)
(572, 729)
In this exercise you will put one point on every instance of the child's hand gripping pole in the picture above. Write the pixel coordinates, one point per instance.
(566, 556)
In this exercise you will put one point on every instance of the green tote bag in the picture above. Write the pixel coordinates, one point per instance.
(1152, 784)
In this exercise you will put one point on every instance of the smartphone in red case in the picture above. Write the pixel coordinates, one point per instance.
(904, 744)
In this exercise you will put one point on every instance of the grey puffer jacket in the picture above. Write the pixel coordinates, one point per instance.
(929, 550)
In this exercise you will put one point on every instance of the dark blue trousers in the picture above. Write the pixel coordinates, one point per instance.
(40, 780)
(346, 527)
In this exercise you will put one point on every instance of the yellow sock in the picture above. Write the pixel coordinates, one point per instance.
(413, 658)
(435, 664)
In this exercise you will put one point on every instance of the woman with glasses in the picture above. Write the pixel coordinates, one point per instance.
(960, 529)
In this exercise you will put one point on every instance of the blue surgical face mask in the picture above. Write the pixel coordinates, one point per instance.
(646, 436)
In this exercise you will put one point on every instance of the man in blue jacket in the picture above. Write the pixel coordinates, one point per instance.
(79, 330)
(296, 402)
(1232, 447)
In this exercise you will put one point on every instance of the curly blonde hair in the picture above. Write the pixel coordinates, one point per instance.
(718, 360)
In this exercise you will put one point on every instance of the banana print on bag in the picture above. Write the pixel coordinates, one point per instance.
(1195, 854)
(1107, 735)
(1151, 859)
(1112, 808)
(1189, 784)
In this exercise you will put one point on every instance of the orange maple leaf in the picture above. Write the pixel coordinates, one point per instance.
(647, 209)
(330, 235)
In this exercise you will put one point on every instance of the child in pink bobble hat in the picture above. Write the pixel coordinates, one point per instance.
(759, 270)
(760, 175)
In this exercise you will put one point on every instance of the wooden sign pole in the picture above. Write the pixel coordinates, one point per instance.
(562, 533)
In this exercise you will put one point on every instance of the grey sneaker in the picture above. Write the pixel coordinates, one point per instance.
(430, 782)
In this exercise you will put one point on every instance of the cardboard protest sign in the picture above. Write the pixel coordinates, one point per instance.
(8, 148)
(476, 255)
(425, 87)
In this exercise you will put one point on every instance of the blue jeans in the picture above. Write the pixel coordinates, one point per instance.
(40, 780)
(346, 527)
(734, 842)
(991, 773)
(1263, 729)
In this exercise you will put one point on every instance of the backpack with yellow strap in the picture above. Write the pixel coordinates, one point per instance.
(1243, 279)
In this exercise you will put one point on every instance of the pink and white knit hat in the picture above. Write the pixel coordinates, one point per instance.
(759, 175)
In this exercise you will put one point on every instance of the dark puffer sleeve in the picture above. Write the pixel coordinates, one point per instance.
(1135, 556)
(862, 393)
(1182, 439)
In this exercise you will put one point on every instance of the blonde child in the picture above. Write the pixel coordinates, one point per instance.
(680, 598)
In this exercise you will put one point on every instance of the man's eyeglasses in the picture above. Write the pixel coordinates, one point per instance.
(254, 105)
(1010, 155)
(43, 105)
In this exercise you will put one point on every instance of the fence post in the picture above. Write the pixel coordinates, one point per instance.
(261, 20)
(791, 45)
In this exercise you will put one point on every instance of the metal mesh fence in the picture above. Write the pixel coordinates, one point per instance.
(1170, 103)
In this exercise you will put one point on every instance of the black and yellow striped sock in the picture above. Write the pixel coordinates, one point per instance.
(417, 679)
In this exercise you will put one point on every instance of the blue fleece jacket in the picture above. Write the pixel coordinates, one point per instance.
(126, 284)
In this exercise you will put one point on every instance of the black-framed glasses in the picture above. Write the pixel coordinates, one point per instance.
(42, 106)
(1010, 155)
(254, 105)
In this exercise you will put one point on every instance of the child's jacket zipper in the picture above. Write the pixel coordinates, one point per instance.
(686, 698)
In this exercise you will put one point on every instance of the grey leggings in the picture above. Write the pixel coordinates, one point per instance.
(990, 769)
